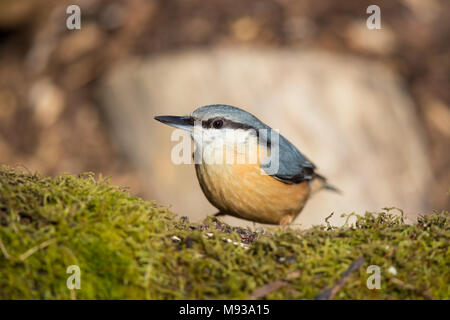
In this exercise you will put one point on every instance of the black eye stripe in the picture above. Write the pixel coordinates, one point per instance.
(236, 125)
(208, 123)
(226, 124)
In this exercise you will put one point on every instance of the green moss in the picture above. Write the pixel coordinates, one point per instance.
(130, 248)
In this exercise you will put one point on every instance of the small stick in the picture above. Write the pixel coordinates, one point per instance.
(409, 287)
(266, 289)
(328, 294)
(273, 286)
(27, 253)
(4, 251)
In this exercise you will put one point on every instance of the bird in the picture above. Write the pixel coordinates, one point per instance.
(245, 168)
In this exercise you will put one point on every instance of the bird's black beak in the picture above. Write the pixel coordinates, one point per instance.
(185, 122)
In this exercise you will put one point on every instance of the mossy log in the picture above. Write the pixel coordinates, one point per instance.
(128, 248)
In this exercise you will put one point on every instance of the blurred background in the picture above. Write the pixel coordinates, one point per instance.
(369, 107)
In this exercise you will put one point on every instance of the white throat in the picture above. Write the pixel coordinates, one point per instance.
(225, 146)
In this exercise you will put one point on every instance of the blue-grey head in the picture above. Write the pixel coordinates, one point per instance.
(217, 116)
(218, 125)
(213, 121)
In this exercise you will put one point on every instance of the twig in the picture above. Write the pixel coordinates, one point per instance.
(329, 226)
(266, 289)
(4, 251)
(273, 286)
(409, 287)
(329, 294)
(27, 253)
(31, 251)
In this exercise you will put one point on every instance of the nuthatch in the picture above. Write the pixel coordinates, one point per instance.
(247, 189)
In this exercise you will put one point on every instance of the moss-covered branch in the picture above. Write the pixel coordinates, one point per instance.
(130, 248)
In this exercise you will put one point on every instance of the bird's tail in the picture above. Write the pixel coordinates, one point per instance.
(319, 183)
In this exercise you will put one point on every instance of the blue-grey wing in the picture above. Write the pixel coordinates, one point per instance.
(293, 167)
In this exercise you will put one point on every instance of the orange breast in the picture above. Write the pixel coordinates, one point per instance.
(245, 191)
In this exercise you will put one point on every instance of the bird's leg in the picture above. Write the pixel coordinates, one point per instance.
(285, 220)
(219, 214)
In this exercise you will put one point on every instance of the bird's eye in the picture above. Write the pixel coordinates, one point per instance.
(217, 124)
